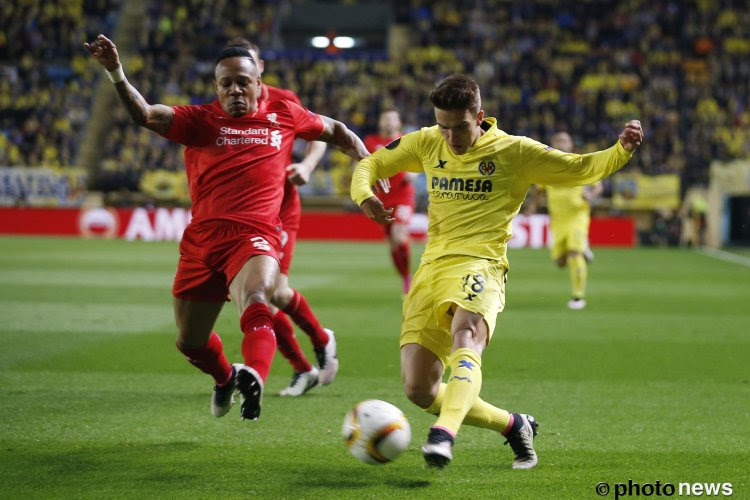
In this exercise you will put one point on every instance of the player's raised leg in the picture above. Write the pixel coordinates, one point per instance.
(421, 372)
(251, 289)
(203, 349)
(469, 333)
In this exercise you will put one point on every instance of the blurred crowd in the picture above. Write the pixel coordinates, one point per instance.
(681, 67)
(46, 83)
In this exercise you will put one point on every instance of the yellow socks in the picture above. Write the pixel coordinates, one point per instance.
(481, 414)
(484, 415)
(578, 275)
(462, 389)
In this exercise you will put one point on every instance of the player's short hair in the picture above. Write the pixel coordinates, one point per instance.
(238, 47)
(456, 92)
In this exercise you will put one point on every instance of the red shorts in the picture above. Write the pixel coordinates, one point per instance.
(212, 253)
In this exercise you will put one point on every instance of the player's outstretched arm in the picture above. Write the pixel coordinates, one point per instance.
(156, 117)
(545, 165)
(339, 135)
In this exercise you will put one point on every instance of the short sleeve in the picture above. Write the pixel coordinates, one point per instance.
(187, 126)
(307, 125)
(291, 96)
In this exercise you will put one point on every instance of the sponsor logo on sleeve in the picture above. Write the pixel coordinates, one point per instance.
(393, 144)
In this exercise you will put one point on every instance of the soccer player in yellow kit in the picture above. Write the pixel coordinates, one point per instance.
(570, 215)
(477, 178)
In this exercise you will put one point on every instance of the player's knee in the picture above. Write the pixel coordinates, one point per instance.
(419, 394)
(255, 296)
(471, 336)
(258, 296)
(282, 296)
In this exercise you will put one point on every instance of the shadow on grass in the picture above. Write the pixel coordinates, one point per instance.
(134, 462)
(357, 479)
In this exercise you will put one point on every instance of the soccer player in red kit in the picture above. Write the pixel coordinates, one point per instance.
(286, 300)
(235, 159)
(400, 198)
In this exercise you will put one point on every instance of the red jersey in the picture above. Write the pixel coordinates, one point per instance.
(235, 166)
(402, 190)
(291, 208)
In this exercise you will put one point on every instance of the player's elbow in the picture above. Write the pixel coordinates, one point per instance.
(340, 133)
(139, 118)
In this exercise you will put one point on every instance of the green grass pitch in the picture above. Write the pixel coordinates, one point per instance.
(649, 383)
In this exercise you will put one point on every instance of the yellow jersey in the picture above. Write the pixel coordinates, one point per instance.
(474, 196)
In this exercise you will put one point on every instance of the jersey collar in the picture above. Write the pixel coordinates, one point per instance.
(489, 125)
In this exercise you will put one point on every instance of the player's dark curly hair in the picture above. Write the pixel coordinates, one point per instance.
(456, 92)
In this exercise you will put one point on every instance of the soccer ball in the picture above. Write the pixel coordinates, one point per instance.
(376, 432)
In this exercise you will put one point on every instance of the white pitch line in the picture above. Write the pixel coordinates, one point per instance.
(725, 256)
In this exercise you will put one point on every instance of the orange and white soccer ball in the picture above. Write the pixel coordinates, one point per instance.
(376, 432)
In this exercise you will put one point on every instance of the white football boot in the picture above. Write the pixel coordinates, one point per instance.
(438, 450)
(250, 387)
(576, 304)
(223, 397)
(327, 360)
(301, 383)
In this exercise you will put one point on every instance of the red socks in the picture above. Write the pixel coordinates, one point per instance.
(299, 310)
(287, 343)
(259, 342)
(401, 256)
(210, 359)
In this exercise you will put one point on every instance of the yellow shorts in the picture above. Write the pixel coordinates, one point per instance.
(569, 235)
(474, 284)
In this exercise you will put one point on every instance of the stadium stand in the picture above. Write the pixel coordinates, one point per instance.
(46, 81)
(543, 66)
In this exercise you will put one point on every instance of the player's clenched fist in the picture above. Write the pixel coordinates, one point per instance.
(374, 209)
(105, 52)
(632, 135)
